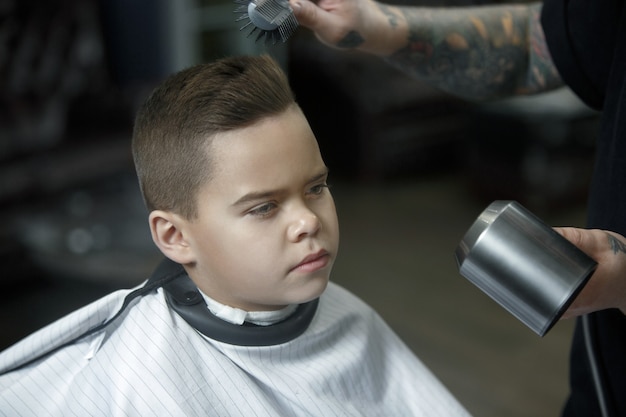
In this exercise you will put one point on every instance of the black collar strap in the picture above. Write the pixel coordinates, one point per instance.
(183, 297)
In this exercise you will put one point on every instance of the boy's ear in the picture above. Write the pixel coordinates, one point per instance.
(168, 234)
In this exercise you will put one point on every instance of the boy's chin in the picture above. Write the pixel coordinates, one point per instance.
(316, 289)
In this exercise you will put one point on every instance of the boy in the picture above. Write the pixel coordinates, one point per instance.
(241, 319)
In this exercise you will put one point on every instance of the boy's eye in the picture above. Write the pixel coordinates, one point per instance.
(318, 189)
(263, 210)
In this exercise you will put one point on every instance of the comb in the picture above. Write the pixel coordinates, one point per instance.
(272, 19)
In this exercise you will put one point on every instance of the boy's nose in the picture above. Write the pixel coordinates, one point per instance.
(305, 224)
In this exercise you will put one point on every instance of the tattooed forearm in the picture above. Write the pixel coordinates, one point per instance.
(478, 53)
(617, 245)
(543, 74)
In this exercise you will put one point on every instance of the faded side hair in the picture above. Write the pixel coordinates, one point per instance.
(175, 125)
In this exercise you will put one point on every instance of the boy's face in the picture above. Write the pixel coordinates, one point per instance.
(266, 234)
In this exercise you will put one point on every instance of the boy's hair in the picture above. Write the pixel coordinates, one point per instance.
(175, 125)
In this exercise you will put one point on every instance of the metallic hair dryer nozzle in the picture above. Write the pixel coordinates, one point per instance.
(523, 264)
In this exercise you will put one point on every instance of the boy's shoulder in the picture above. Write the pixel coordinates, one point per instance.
(63, 331)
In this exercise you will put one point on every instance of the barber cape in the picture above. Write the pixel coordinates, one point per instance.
(149, 361)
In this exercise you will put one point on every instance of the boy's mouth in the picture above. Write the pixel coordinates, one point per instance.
(313, 262)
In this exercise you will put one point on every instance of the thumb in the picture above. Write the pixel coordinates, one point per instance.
(307, 13)
(329, 27)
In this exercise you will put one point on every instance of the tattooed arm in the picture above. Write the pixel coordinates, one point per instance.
(478, 53)
(607, 286)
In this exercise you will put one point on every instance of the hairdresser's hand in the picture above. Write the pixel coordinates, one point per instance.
(353, 24)
(607, 286)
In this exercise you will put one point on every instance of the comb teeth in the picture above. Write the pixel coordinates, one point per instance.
(287, 27)
(273, 18)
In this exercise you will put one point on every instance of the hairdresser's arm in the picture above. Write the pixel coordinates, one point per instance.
(607, 286)
(478, 53)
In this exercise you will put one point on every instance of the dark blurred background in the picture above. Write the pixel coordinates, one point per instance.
(411, 167)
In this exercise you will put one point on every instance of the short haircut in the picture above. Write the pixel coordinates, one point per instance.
(174, 127)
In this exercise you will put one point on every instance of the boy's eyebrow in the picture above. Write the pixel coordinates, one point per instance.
(260, 195)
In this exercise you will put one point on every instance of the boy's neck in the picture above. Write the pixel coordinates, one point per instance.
(238, 316)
